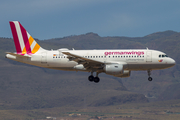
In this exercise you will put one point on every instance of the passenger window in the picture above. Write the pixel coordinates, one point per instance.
(109, 56)
(101, 56)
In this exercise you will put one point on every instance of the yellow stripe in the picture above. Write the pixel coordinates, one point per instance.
(36, 48)
(24, 50)
(30, 40)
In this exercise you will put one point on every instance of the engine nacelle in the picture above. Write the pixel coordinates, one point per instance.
(126, 73)
(79, 67)
(114, 69)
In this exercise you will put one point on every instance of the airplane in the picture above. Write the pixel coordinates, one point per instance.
(115, 62)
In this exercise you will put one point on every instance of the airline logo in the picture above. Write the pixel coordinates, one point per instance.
(160, 60)
(24, 43)
(125, 53)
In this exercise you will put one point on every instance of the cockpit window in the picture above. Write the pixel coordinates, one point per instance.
(163, 56)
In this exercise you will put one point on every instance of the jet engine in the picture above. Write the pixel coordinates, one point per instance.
(114, 69)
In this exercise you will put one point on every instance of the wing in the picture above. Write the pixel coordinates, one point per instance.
(87, 63)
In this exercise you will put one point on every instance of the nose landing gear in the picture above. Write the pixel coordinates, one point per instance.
(150, 78)
(149, 73)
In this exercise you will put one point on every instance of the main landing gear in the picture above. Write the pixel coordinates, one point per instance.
(91, 78)
(149, 73)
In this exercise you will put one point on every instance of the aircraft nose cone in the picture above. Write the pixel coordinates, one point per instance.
(172, 62)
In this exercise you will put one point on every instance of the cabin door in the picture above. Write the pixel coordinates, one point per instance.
(149, 56)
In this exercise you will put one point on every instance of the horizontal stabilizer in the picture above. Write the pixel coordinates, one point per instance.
(18, 55)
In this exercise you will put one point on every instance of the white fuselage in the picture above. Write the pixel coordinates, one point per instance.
(135, 59)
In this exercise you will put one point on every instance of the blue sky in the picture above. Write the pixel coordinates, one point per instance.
(46, 19)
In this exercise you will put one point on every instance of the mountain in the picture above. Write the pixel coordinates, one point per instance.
(28, 87)
(171, 92)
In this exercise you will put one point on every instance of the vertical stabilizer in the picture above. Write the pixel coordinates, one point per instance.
(23, 41)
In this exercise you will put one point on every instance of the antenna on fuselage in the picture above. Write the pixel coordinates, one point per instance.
(147, 48)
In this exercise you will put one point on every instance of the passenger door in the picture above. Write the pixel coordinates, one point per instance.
(149, 56)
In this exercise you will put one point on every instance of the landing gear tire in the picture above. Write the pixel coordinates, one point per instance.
(150, 79)
(96, 79)
(91, 78)
(149, 73)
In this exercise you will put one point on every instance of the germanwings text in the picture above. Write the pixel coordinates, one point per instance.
(125, 53)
